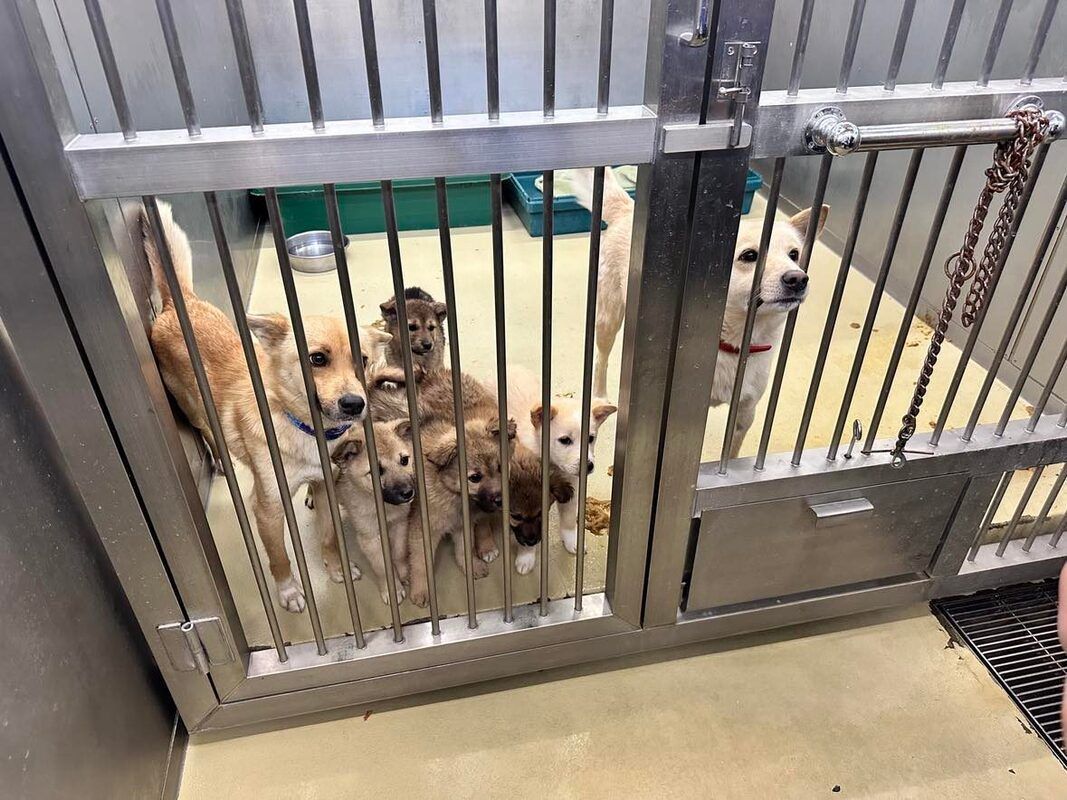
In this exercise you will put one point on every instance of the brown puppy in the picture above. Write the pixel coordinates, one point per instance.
(426, 330)
(339, 394)
(389, 400)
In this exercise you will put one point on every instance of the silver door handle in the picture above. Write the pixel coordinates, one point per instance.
(841, 511)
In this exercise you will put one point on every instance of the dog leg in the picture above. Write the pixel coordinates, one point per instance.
(371, 545)
(267, 508)
(481, 569)
(746, 414)
(568, 524)
(398, 540)
(485, 542)
(419, 591)
(525, 559)
(331, 551)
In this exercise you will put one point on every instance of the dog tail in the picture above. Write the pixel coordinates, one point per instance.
(181, 255)
(617, 202)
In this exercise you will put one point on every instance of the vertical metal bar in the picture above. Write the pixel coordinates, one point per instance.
(548, 191)
(300, 338)
(987, 520)
(344, 281)
(433, 60)
(835, 302)
(1042, 515)
(851, 41)
(111, 69)
(800, 48)
(976, 327)
(791, 320)
(1062, 421)
(603, 84)
(255, 376)
(549, 63)
(1028, 492)
(876, 299)
(1039, 41)
(492, 72)
(393, 238)
(177, 66)
(753, 307)
(495, 203)
(370, 58)
(221, 448)
(597, 214)
(995, 37)
(246, 64)
(311, 70)
(916, 293)
(1055, 540)
(952, 29)
(901, 42)
(1017, 312)
(1050, 384)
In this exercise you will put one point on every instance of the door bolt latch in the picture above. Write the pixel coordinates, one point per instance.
(739, 62)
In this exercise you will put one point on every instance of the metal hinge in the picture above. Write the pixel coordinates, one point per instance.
(199, 644)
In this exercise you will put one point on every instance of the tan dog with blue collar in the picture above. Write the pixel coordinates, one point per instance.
(341, 397)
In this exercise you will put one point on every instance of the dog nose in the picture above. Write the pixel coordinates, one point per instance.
(498, 500)
(589, 467)
(351, 404)
(405, 494)
(796, 280)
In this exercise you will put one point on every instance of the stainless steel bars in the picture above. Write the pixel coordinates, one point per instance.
(344, 282)
(548, 192)
(246, 64)
(177, 66)
(773, 194)
(907, 12)
(433, 60)
(1017, 311)
(255, 376)
(1050, 384)
(800, 48)
(1039, 42)
(995, 37)
(492, 65)
(445, 238)
(851, 41)
(549, 59)
(300, 339)
(396, 267)
(987, 520)
(791, 320)
(219, 448)
(876, 298)
(111, 69)
(1046, 507)
(597, 214)
(603, 84)
(916, 293)
(1028, 492)
(370, 59)
(1055, 540)
(952, 29)
(835, 303)
(311, 70)
(496, 213)
(976, 327)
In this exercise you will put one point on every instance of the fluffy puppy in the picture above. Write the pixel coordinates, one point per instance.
(426, 329)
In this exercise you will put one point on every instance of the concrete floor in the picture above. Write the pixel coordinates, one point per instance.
(880, 705)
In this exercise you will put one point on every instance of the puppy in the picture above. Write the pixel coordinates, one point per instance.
(355, 496)
(341, 397)
(782, 289)
(565, 415)
(426, 329)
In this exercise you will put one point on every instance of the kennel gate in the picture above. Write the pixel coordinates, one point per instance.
(703, 117)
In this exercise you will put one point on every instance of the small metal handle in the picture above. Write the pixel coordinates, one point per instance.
(698, 37)
(840, 511)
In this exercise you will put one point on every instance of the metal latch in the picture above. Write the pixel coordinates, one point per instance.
(739, 61)
(199, 644)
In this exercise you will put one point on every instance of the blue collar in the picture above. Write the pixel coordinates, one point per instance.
(330, 433)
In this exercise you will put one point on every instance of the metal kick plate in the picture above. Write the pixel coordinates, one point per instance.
(764, 551)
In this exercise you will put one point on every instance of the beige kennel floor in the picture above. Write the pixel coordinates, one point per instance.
(368, 256)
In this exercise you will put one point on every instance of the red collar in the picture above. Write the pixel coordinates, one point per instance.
(726, 347)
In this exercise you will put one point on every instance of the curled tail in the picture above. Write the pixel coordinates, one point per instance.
(617, 203)
(181, 255)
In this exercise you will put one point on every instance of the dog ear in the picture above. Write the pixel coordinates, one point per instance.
(800, 221)
(380, 376)
(442, 452)
(348, 450)
(603, 410)
(374, 336)
(402, 428)
(440, 309)
(537, 416)
(389, 308)
(561, 489)
(270, 329)
(493, 427)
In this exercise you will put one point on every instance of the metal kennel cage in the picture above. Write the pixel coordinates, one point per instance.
(696, 550)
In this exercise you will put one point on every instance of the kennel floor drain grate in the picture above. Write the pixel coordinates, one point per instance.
(1013, 632)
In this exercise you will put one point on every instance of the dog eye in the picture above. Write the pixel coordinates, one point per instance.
(475, 477)
(591, 439)
(381, 469)
(748, 256)
(794, 254)
(413, 326)
(319, 359)
(365, 362)
(403, 461)
(431, 327)
(566, 441)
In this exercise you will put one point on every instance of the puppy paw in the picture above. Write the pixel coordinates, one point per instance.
(291, 596)
(420, 596)
(488, 552)
(334, 571)
(570, 541)
(526, 561)
(481, 569)
(401, 593)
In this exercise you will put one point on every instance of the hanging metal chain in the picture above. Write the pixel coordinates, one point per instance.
(1008, 174)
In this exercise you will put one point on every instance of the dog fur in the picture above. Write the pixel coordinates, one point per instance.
(426, 329)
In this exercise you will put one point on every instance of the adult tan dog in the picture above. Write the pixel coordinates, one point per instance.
(782, 289)
(341, 397)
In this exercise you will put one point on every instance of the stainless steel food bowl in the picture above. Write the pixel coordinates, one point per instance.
(312, 251)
